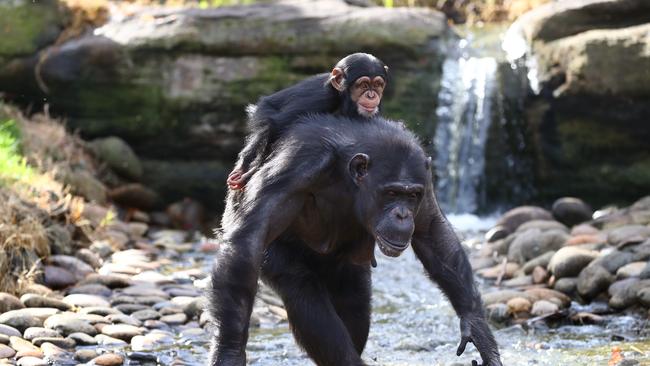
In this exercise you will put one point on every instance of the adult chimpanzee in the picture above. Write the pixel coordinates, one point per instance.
(353, 89)
(308, 222)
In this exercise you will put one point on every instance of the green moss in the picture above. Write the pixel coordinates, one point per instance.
(27, 26)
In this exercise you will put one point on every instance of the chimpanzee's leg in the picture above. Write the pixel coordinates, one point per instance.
(234, 284)
(312, 316)
(351, 291)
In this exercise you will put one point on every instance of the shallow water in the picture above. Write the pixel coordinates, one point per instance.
(413, 324)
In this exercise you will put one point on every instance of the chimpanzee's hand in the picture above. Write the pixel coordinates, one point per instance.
(235, 181)
(476, 330)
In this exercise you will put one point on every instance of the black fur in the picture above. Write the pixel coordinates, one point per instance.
(275, 113)
(307, 223)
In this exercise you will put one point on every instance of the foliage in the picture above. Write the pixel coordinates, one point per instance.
(13, 166)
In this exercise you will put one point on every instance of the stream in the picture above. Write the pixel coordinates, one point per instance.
(413, 324)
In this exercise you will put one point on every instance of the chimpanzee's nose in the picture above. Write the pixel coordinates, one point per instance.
(402, 213)
(371, 94)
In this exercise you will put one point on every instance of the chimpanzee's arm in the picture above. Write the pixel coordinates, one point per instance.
(271, 201)
(440, 251)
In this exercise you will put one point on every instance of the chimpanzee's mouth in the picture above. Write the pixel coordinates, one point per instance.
(389, 248)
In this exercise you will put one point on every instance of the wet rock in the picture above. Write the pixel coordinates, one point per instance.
(571, 211)
(614, 260)
(32, 361)
(643, 296)
(76, 266)
(623, 293)
(584, 229)
(543, 307)
(134, 195)
(518, 306)
(143, 357)
(38, 332)
(539, 261)
(9, 302)
(89, 257)
(543, 225)
(69, 323)
(82, 300)
(57, 341)
(628, 235)
(121, 331)
(101, 311)
(512, 219)
(146, 314)
(534, 242)
(57, 277)
(82, 339)
(506, 271)
(85, 355)
(109, 359)
(105, 340)
(110, 281)
(174, 319)
(587, 318)
(566, 285)
(496, 233)
(35, 288)
(22, 319)
(130, 308)
(569, 261)
(91, 289)
(540, 275)
(155, 324)
(6, 351)
(39, 301)
(152, 277)
(144, 291)
(9, 331)
(23, 346)
(501, 296)
(123, 319)
(593, 280)
(520, 281)
(536, 294)
(633, 269)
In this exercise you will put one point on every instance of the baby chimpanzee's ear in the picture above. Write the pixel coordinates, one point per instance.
(337, 79)
(358, 167)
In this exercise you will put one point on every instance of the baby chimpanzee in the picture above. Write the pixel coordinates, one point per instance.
(353, 89)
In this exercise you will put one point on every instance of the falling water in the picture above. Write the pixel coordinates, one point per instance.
(464, 114)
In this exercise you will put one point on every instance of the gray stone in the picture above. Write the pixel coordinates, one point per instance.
(32, 361)
(69, 323)
(111, 281)
(9, 302)
(104, 340)
(22, 319)
(83, 300)
(82, 339)
(123, 319)
(6, 352)
(534, 242)
(121, 331)
(38, 332)
(89, 257)
(569, 261)
(97, 310)
(643, 296)
(628, 234)
(543, 225)
(57, 277)
(39, 301)
(85, 355)
(57, 341)
(571, 211)
(9, 331)
(543, 307)
(593, 280)
(512, 219)
(541, 261)
(118, 155)
(500, 296)
(633, 269)
(614, 260)
(91, 289)
(174, 319)
(146, 314)
(130, 308)
(566, 285)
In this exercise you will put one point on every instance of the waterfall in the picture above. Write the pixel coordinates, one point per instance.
(463, 114)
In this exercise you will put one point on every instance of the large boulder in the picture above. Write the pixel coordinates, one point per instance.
(589, 63)
(174, 83)
(28, 26)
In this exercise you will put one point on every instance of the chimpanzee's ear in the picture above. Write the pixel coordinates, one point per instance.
(358, 167)
(337, 79)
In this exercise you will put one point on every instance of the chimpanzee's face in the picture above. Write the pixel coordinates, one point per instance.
(391, 189)
(366, 93)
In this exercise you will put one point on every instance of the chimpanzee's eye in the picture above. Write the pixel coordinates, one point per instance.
(392, 193)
